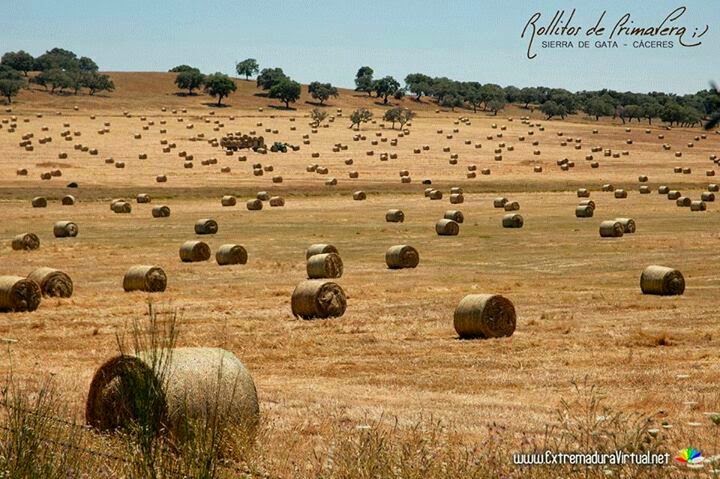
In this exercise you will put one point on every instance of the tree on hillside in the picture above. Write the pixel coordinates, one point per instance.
(496, 104)
(419, 84)
(398, 115)
(247, 67)
(95, 82)
(364, 80)
(598, 107)
(190, 80)
(361, 115)
(528, 95)
(57, 58)
(472, 94)
(385, 87)
(322, 91)
(550, 109)
(451, 100)
(286, 90)
(219, 85)
(268, 77)
(55, 78)
(86, 64)
(181, 68)
(21, 61)
(318, 116)
(11, 81)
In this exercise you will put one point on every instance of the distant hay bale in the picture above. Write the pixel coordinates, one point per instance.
(499, 202)
(698, 206)
(583, 193)
(642, 179)
(359, 196)
(39, 202)
(206, 226)
(644, 190)
(228, 254)
(320, 248)
(151, 279)
(484, 316)
(673, 195)
(589, 203)
(707, 196)
(608, 187)
(402, 256)
(68, 200)
(584, 211)
(435, 194)
(121, 207)
(254, 205)
(394, 216)
(182, 386)
(194, 251)
(228, 200)
(620, 194)
(19, 294)
(713, 187)
(318, 298)
(26, 242)
(277, 201)
(454, 215)
(161, 179)
(628, 225)
(324, 265)
(353, 174)
(512, 220)
(611, 229)
(683, 202)
(331, 182)
(65, 229)
(537, 169)
(662, 281)
(143, 198)
(512, 206)
(457, 198)
(52, 282)
(446, 227)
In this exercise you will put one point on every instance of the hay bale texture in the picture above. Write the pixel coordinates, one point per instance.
(151, 279)
(319, 248)
(161, 211)
(194, 251)
(324, 265)
(52, 282)
(661, 280)
(611, 229)
(484, 316)
(446, 227)
(402, 256)
(65, 229)
(395, 216)
(206, 226)
(231, 254)
(318, 298)
(628, 224)
(39, 202)
(25, 241)
(454, 215)
(513, 220)
(18, 294)
(184, 386)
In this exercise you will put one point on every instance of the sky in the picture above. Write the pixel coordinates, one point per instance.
(322, 40)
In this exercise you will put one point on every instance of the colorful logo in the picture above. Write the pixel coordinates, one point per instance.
(689, 456)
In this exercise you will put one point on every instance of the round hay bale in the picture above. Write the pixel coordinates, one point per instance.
(628, 225)
(583, 193)
(359, 196)
(122, 207)
(457, 198)
(484, 316)
(446, 227)
(673, 195)
(52, 282)
(611, 229)
(231, 254)
(143, 198)
(698, 206)
(513, 220)
(324, 265)
(206, 226)
(512, 206)
(254, 205)
(65, 229)
(683, 202)
(68, 200)
(620, 194)
(454, 215)
(25, 241)
(435, 195)
(277, 201)
(713, 187)
(707, 196)
(662, 281)
(263, 195)
(644, 190)
(183, 386)
(663, 190)
(584, 211)
(228, 200)
(499, 202)
(395, 216)
(402, 256)
(39, 202)
(320, 248)
(318, 298)
(161, 179)
(19, 294)
(194, 251)
(608, 187)
(589, 203)
(151, 279)
(642, 179)
(353, 174)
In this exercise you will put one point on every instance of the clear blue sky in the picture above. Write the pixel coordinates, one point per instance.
(328, 40)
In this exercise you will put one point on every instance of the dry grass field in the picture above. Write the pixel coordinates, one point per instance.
(394, 355)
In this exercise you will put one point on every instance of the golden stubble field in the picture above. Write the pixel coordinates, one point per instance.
(395, 352)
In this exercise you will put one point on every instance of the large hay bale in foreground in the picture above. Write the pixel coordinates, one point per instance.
(39, 202)
(484, 316)
(661, 280)
(19, 294)
(446, 227)
(52, 282)
(161, 211)
(513, 220)
(402, 256)
(231, 254)
(611, 229)
(318, 298)
(628, 224)
(324, 265)
(183, 386)
(65, 229)
(206, 226)
(26, 241)
(194, 251)
(394, 216)
(151, 279)
(319, 248)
